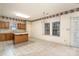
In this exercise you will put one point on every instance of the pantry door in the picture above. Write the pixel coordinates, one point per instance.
(75, 31)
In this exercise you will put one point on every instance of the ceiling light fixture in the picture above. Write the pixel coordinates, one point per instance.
(22, 15)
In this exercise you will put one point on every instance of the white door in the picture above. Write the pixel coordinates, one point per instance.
(75, 31)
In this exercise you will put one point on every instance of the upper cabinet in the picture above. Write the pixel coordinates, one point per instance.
(4, 25)
(21, 26)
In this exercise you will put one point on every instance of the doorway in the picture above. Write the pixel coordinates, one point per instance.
(75, 31)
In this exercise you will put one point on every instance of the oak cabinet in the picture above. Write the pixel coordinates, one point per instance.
(16, 38)
(6, 36)
(20, 38)
(21, 26)
(4, 25)
(2, 37)
(9, 36)
(0, 25)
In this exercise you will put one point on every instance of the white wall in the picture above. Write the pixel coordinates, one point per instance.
(38, 29)
(28, 28)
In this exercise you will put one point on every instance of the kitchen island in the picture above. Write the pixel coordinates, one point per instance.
(20, 37)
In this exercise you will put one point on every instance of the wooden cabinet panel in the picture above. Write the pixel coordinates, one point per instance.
(20, 38)
(0, 25)
(2, 37)
(9, 36)
(6, 36)
(7, 25)
(21, 26)
(18, 25)
(4, 25)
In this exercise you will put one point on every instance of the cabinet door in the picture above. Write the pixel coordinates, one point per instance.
(7, 36)
(18, 25)
(3, 25)
(2, 37)
(21, 26)
(0, 25)
(24, 26)
(7, 25)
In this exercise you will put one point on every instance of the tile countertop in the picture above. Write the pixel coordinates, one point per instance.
(14, 33)
(5, 32)
(20, 33)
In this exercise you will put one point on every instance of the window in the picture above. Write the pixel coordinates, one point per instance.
(13, 26)
(47, 28)
(56, 28)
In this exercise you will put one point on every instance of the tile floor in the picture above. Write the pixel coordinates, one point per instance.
(36, 47)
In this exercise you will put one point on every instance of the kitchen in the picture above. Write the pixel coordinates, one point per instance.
(13, 29)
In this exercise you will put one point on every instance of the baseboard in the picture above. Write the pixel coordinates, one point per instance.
(54, 42)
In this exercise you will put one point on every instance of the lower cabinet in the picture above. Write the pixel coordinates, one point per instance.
(2, 37)
(16, 38)
(20, 38)
(6, 36)
(9, 36)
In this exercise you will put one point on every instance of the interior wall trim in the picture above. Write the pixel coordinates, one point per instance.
(57, 14)
(5, 17)
(46, 17)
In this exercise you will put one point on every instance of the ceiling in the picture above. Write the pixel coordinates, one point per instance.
(34, 10)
